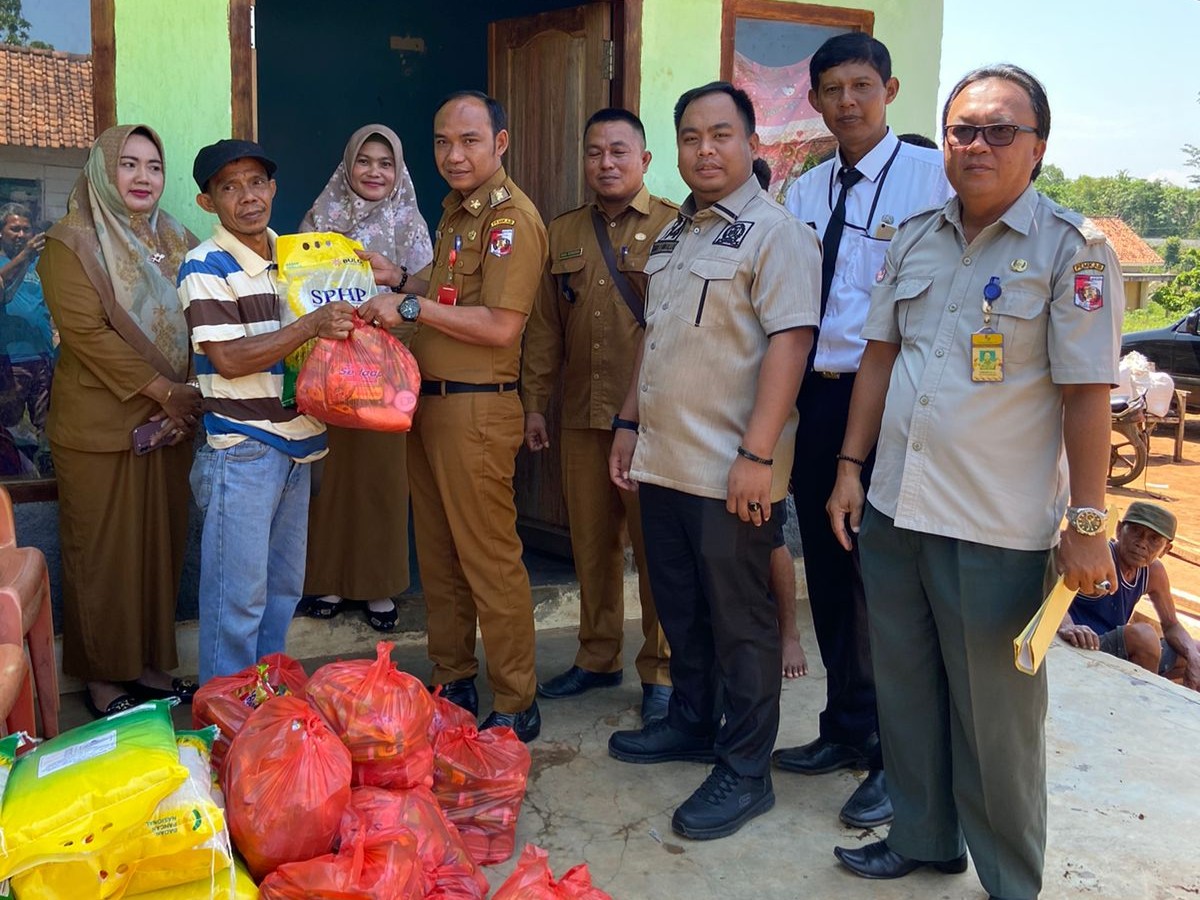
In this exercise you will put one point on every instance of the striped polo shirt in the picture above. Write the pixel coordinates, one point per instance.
(229, 292)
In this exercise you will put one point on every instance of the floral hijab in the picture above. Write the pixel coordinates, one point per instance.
(392, 226)
(132, 259)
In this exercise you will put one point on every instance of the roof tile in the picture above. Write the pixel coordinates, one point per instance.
(46, 96)
(1131, 250)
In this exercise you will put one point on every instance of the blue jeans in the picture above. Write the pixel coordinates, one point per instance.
(255, 505)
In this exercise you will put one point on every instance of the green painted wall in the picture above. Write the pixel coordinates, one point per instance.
(681, 48)
(173, 74)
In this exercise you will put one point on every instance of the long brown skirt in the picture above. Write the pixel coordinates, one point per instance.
(123, 524)
(358, 522)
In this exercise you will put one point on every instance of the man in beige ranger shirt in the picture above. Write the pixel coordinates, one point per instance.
(471, 304)
(707, 437)
(985, 379)
(587, 324)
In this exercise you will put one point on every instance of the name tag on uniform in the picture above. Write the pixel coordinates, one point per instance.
(987, 355)
(884, 231)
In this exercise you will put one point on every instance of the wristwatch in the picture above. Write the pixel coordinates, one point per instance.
(409, 308)
(1086, 520)
(627, 424)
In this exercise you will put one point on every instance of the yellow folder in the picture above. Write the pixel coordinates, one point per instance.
(1030, 646)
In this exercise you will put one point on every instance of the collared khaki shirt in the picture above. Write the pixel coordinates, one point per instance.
(580, 324)
(499, 264)
(984, 461)
(723, 279)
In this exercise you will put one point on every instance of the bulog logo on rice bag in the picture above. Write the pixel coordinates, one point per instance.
(316, 268)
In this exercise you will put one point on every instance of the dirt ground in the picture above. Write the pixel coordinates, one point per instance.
(1176, 486)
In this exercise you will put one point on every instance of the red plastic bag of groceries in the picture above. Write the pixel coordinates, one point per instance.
(381, 869)
(375, 814)
(381, 714)
(288, 782)
(447, 715)
(479, 781)
(533, 880)
(369, 380)
(228, 700)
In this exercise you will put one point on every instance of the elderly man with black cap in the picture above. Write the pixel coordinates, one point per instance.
(251, 479)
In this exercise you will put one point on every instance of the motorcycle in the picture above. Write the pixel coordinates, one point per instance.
(1130, 444)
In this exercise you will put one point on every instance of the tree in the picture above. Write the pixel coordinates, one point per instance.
(1182, 295)
(14, 27)
(1170, 251)
(1192, 152)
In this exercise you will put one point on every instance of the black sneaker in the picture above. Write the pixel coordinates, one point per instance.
(527, 723)
(462, 693)
(659, 742)
(722, 804)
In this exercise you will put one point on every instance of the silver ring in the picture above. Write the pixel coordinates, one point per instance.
(754, 506)
(1104, 585)
(375, 321)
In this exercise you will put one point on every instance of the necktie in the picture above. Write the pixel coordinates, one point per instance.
(849, 177)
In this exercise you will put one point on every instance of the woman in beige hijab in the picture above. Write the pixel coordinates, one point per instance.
(108, 273)
(358, 526)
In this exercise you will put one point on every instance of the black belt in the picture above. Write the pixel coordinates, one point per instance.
(442, 388)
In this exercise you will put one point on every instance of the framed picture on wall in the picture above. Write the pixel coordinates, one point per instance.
(766, 46)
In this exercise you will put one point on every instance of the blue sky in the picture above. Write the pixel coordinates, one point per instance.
(1121, 74)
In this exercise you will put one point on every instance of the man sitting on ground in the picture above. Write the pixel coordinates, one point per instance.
(1101, 622)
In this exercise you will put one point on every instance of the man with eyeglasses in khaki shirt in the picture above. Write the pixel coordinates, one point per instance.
(706, 435)
(984, 392)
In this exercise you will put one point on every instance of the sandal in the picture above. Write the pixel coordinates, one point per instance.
(182, 689)
(317, 608)
(119, 704)
(384, 622)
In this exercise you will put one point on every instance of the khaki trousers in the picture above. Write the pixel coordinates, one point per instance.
(598, 511)
(461, 458)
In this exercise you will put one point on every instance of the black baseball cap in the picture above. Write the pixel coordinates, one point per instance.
(210, 159)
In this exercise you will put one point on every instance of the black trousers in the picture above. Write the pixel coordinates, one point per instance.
(708, 571)
(835, 586)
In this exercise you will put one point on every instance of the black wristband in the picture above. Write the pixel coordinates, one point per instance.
(746, 454)
(850, 459)
(627, 424)
(399, 288)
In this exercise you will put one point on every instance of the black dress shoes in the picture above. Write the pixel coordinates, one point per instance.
(722, 804)
(527, 723)
(821, 756)
(462, 693)
(659, 742)
(656, 701)
(575, 681)
(869, 806)
(878, 861)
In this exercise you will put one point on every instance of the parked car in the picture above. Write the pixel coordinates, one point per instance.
(1174, 350)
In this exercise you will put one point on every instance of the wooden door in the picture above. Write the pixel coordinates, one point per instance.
(550, 71)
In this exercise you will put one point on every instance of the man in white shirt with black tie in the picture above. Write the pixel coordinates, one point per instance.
(855, 201)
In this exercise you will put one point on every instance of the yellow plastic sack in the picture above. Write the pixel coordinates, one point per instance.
(9, 746)
(183, 839)
(316, 268)
(234, 883)
(83, 791)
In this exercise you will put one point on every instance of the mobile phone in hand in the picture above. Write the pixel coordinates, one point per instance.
(150, 436)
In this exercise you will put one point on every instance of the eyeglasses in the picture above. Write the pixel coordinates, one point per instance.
(993, 135)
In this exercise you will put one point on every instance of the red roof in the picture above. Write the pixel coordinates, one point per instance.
(1131, 249)
(46, 96)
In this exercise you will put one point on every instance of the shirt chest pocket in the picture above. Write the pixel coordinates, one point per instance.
(468, 277)
(655, 264)
(632, 266)
(911, 296)
(1021, 316)
(568, 277)
(705, 298)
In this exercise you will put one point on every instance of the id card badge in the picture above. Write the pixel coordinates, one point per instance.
(987, 355)
(447, 295)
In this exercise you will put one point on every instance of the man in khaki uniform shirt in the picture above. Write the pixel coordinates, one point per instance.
(583, 327)
(992, 344)
(489, 258)
(711, 416)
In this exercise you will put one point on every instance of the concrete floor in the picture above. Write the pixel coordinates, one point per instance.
(1123, 787)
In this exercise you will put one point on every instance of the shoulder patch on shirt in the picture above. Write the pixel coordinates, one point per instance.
(1088, 265)
(496, 223)
(733, 234)
(498, 196)
(1089, 292)
(500, 241)
(571, 254)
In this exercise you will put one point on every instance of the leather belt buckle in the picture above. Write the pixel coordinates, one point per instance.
(832, 376)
